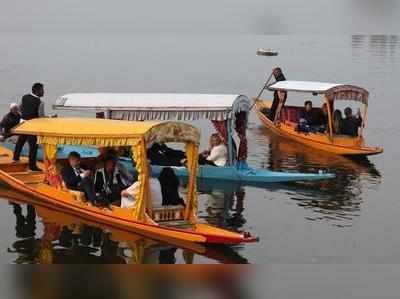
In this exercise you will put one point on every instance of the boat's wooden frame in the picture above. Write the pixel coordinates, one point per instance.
(330, 142)
(52, 216)
(18, 177)
(222, 109)
(337, 144)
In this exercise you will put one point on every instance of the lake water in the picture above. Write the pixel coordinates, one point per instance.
(336, 239)
(351, 219)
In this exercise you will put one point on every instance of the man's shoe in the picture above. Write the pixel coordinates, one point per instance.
(34, 168)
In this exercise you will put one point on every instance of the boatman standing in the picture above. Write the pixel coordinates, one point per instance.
(31, 107)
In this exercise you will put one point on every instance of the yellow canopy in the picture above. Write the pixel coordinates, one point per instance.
(106, 132)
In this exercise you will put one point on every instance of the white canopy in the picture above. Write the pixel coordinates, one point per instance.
(332, 91)
(303, 86)
(150, 106)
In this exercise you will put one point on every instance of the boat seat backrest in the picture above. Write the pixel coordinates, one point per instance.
(168, 213)
(291, 113)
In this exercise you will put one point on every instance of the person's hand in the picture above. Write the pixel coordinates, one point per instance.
(205, 153)
(2, 138)
(124, 193)
(87, 173)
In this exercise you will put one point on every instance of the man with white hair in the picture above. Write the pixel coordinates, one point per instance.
(9, 121)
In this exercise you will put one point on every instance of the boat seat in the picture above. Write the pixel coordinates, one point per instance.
(168, 213)
(291, 113)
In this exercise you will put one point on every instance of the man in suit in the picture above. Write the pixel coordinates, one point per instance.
(31, 107)
(109, 182)
(77, 178)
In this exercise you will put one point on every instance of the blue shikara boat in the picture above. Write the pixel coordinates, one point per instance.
(228, 114)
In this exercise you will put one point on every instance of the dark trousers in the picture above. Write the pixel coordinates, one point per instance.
(32, 141)
(204, 161)
(86, 186)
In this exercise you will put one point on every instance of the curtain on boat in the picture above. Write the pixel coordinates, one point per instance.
(142, 202)
(222, 129)
(192, 164)
(240, 127)
(52, 177)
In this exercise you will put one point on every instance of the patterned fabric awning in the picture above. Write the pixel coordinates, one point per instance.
(333, 91)
(349, 93)
(149, 106)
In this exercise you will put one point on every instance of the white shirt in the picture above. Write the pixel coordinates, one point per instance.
(155, 194)
(79, 172)
(219, 155)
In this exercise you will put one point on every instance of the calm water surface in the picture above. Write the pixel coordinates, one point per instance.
(351, 219)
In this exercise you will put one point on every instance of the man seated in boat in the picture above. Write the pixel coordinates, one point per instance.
(324, 118)
(9, 121)
(217, 154)
(351, 123)
(311, 120)
(109, 182)
(105, 153)
(77, 177)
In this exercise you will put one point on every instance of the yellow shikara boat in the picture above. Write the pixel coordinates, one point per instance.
(284, 119)
(160, 223)
(54, 221)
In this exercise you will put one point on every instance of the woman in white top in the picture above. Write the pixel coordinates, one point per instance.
(127, 200)
(217, 155)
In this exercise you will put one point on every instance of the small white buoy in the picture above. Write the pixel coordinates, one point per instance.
(266, 52)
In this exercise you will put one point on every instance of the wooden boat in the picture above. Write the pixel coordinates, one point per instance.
(228, 114)
(47, 187)
(285, 121)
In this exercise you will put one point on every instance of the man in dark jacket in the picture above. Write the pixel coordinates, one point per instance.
(109, 183)
(78, 178)
(351, 123)
(10, 120)
(31, 107)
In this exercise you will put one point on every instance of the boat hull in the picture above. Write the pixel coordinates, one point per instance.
(340, 145)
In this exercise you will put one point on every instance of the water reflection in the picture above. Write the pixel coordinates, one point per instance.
(26, 245)
(338, 200)
(378, 45)
(223, 204)
(66, 239)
